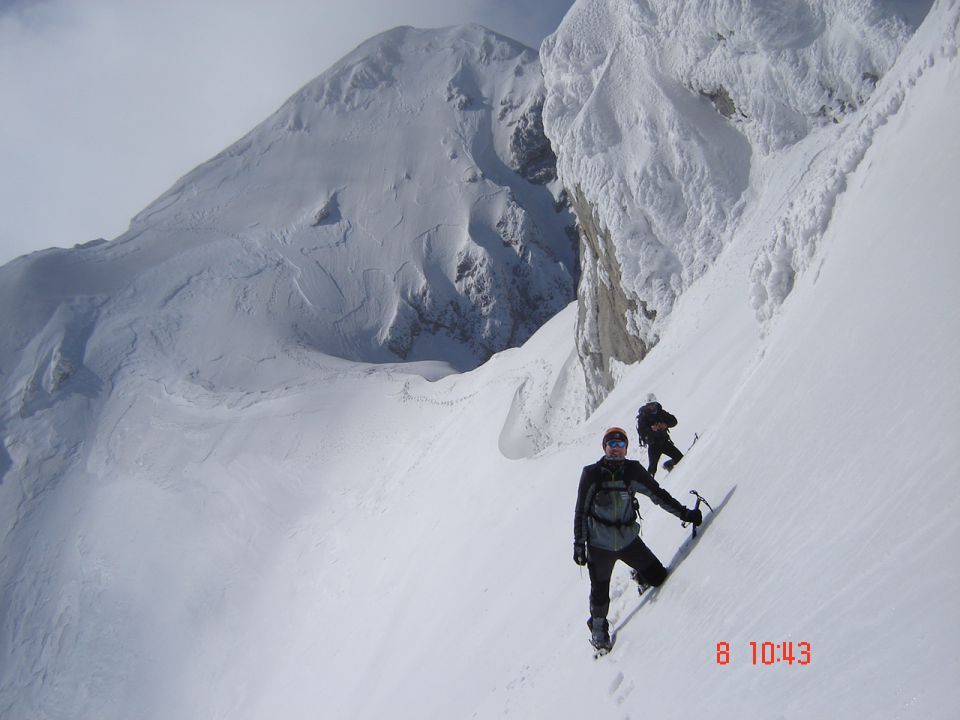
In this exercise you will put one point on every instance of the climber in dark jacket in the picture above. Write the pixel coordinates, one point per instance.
(653, 427)
(605, 527)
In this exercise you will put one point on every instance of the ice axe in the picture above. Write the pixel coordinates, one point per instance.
(696, 506)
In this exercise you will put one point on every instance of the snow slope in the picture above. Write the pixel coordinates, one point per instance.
(325, 538)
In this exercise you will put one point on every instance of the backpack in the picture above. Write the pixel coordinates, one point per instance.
(645, 416)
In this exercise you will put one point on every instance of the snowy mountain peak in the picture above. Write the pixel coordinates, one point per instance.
(398, 207)
(386, 61)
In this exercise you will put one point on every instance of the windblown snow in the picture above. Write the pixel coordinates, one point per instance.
(222, 496)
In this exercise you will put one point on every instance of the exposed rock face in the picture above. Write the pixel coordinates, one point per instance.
(602, 333)
(533, 157)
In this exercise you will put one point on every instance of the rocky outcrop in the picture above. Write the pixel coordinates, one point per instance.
(530, 151)
(604, 308)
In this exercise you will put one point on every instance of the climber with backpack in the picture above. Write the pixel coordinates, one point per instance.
(653, 427)
(605, 527)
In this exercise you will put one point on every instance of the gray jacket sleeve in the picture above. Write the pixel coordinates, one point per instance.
(644, 484)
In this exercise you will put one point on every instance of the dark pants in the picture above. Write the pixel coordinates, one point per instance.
(636, 555)
(662, 447)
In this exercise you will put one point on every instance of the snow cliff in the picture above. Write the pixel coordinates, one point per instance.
(664, 116)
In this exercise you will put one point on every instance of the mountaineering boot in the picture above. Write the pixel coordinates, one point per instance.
(599, 633)
(669, 465)
(638, 579)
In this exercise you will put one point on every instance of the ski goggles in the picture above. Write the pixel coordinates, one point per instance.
(616, 443)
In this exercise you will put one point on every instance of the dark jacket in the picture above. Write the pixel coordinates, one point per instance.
(604, 516)
(649, 415)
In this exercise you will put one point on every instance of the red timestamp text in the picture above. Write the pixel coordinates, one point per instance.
(770, 653)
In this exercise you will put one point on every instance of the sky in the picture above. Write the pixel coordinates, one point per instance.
(106, 103)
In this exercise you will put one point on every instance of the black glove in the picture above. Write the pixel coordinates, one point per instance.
(692, 516)
(580, 553)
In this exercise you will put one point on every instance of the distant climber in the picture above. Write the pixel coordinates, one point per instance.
(605, 527)
(653, 427)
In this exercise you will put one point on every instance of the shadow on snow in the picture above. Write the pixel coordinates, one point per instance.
(686, 547)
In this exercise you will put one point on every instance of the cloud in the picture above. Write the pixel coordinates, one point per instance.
(107, 102)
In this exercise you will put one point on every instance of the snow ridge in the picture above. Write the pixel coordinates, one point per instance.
(795, 241)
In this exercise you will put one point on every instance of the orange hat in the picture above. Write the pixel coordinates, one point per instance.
(615, 433)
